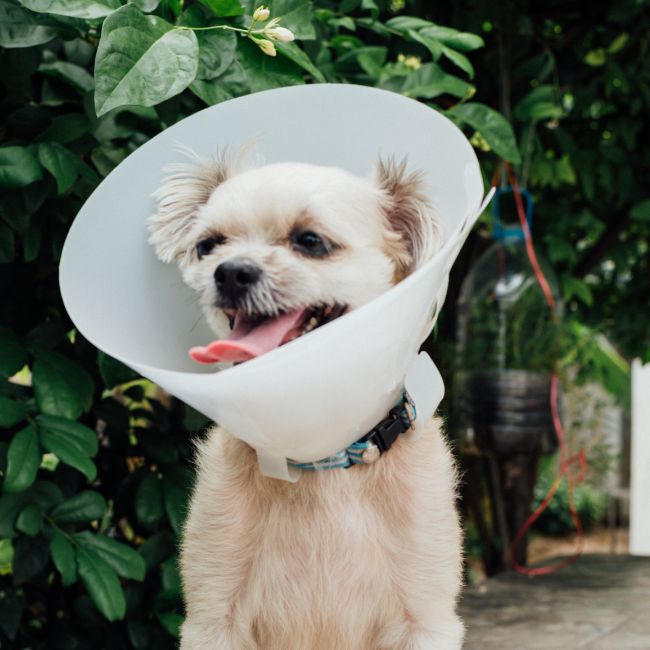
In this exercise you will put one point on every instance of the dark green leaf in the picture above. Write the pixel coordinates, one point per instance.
(224, 8)
(295, 54)
(295, 15)
(11, 412)
(264, 72)
(641, 211)
(87, 9)
(31, 555)
(66, 128)
(431, 81)
(82, 507)
(61, 386)
(32, 242)
(142, 60)
(114, 372)
(148, 500)
(60, 162)
(64, 558)
(434, 46)
(102, 584)
(20, 28)
(18, 167)
(216, 53)
(539, 104)
(12, 354)
(172, 622)
(23, 460)
(78, 77)
(459, 60)
(494, 128)
(30, 519)
(458, 40)
(71, 441)
(156, 549)
(122, 558)
(175, 498)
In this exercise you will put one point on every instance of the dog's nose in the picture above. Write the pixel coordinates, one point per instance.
(235, 277)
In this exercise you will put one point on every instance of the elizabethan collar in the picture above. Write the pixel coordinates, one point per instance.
(319, 393)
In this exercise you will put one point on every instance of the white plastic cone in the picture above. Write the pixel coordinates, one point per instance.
(316, 395)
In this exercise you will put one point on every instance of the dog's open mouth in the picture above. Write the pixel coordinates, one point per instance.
(253, 335)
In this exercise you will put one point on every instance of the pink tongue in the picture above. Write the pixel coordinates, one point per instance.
(245, 343)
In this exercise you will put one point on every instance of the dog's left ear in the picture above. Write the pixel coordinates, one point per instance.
(178, 199)
(414, 233)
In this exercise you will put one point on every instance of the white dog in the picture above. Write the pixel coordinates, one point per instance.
(363, 558)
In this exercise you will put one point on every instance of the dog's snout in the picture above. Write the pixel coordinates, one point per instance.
(235, 277)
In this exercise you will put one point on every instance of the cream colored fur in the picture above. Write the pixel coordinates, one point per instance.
(366, 558)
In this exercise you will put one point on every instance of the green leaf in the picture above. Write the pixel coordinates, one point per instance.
(61, 386)
(172, 622)
(175, 498)
(60, 162)
(114, 372)
(23, 460)
(102, 584)
(142, 60)
(458, 59)
(82, 507)
(66, 128)
(127, 562)
(11, 412)
(78, 77)
(156, 549)
(10, 613)
(30, 519)
(641, 211)
(404, 23)
(12, 354)
(452, 38)
(541, 103)
(295, 54)
(434, 46)
(64, 558)
(224, 8)
(18, 167)
(430, 81)
(216, 53)
(494, 128)
(20, 28)
(264, 72)
(148, 500)
(71, 441)
(575, 287)
(88, 9)
(295, 15)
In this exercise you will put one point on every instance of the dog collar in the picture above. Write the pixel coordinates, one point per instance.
(370, 447)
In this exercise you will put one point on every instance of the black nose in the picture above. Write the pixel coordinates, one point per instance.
(235, 277)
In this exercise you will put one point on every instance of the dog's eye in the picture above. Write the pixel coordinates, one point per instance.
(307, 241)
(205, 246)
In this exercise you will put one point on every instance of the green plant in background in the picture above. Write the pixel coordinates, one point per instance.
(94, 462)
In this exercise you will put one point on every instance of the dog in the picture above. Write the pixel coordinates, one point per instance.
(363, 558)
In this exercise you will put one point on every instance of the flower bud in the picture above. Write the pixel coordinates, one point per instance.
(261, 14)
(281, 34)
(266, 46)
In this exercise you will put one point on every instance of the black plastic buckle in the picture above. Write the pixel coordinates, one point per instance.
(387, 431)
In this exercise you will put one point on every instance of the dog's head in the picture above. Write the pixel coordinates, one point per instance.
(279, 250)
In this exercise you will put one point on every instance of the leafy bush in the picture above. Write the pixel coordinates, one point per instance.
(95, 461)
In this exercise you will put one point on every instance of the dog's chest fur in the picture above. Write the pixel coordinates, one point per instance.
(341, 559)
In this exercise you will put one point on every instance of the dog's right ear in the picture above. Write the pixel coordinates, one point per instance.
(181, 194)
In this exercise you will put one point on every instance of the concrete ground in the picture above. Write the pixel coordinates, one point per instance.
(602, 602)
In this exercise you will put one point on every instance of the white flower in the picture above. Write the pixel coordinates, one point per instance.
(281, 34)
(261, 14)
(266, 46)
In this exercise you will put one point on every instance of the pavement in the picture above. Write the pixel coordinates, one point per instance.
(602, 602)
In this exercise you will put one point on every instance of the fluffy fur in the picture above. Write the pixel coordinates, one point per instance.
(366, 558)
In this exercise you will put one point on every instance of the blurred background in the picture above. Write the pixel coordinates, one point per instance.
(95, 462)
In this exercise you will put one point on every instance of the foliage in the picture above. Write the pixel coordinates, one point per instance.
(94, 462)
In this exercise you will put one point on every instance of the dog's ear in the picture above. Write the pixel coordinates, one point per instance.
(414, 233)
(181, 194)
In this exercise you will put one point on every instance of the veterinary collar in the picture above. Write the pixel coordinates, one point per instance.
(376, 442)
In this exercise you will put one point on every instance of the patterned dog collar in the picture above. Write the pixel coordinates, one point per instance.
(378, 441)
